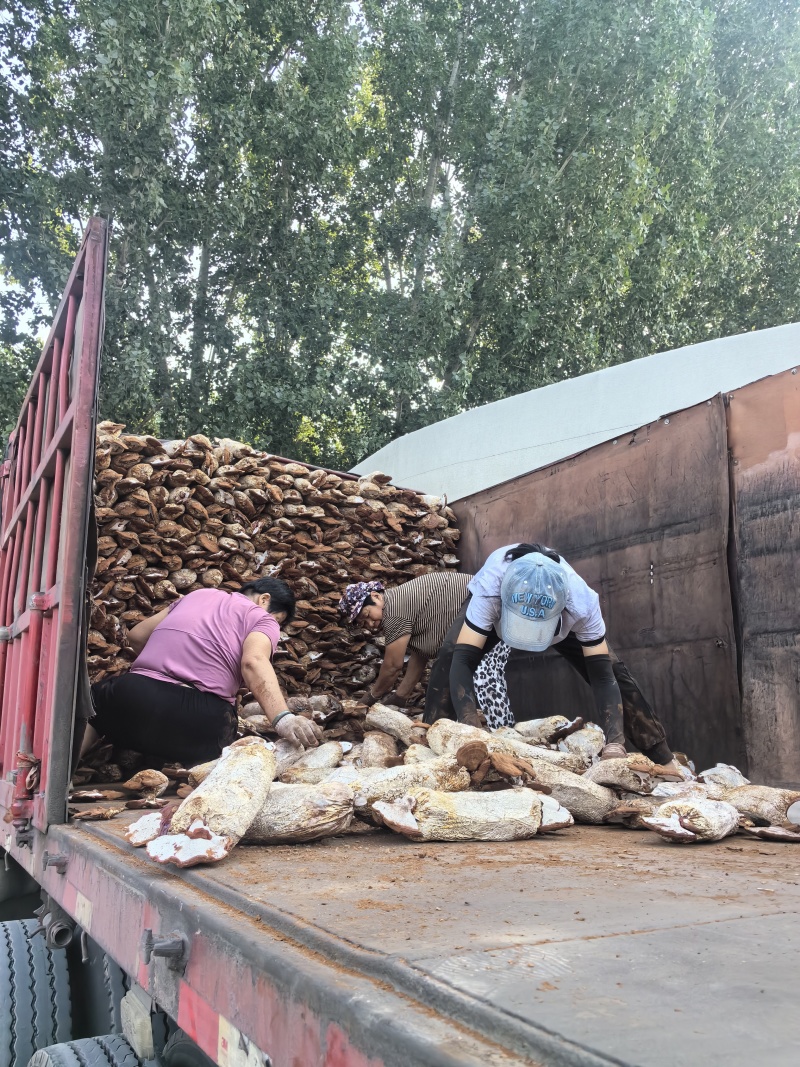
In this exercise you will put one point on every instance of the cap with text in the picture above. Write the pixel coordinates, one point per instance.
(532, 595)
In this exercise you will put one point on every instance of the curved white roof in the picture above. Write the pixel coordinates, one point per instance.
(490, 444)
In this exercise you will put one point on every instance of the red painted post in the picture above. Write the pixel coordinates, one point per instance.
(46, 487)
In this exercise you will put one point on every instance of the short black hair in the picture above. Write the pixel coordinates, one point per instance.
(525, 549)
(281, 596)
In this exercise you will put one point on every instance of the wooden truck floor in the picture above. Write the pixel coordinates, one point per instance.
(589, 946)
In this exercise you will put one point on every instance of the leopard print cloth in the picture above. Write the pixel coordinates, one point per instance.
(490, 687)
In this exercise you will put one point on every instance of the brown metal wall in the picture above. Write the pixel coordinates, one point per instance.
(645, 521)
(764, 438)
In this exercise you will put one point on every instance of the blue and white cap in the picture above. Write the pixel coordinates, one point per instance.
(532, 595)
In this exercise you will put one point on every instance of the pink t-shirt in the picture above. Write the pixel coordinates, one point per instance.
(200, 642)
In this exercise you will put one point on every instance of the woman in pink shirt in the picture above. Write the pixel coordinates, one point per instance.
(177, 702)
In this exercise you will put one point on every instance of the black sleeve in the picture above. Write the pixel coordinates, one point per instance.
(607, 697)
(591, 642)
(462, 687)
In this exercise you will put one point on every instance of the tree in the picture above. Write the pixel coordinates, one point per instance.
(334, 224)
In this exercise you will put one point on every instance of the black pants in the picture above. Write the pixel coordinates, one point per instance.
(642, 726)
(171, 722)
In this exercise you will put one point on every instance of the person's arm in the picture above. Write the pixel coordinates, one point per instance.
(466, 657)
(605, 690)
(260, 678)
(140, 634)
(391, 667)
(414, 671)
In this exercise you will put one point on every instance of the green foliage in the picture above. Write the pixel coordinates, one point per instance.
(335, 223)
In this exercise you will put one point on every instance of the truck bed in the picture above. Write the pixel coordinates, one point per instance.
(589, 946)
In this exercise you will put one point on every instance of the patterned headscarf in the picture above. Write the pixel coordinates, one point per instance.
(354, 596)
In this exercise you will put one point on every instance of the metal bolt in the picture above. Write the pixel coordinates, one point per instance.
(172, 947)
(5, 633)
(666, 422)
(37, 602)
(59, 861)
(794, 370)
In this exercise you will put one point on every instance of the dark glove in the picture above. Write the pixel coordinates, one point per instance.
(607, 697)
(369, 699)
(471, 717)
(462, 687)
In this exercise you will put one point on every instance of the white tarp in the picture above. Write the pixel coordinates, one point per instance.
(498, 441)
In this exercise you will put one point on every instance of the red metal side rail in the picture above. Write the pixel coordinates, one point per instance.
(45, 485)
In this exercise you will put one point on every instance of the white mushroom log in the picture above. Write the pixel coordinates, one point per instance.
(428, 815)
(314, 765)
(767, 805)
(234, 792)
(391, 721)
(446, 737)
(690, 821)
(294, 813)
(378, 750)
(442, 774)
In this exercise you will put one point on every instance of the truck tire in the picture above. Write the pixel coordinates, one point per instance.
(181, 1051)
(109, 1051)
(35, 1005)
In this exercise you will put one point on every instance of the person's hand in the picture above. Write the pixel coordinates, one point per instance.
(471, 717)
(298, 730)
(613, 751)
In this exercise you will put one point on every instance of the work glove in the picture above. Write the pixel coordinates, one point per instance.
(299, 730)
(613, 751)
(471, 717)
(368, 699)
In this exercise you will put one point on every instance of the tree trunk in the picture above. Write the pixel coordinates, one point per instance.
(198, 392)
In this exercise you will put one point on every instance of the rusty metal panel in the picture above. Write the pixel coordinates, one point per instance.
(644, 519)
(764, 436)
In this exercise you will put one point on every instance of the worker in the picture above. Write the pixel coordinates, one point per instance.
(413, 618)
(528, 597)
(177, 700)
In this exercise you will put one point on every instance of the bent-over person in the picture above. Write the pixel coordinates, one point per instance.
(526, 597)
(177, 701)
(413, 619)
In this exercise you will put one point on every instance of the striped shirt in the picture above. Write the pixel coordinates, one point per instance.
(424, 608)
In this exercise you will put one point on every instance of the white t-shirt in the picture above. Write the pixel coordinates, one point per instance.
(581, 616)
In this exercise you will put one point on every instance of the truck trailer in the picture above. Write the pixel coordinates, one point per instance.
(592, 946)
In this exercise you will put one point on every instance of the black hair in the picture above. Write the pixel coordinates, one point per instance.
(368, 603)
(525, 550)
(281, 596)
